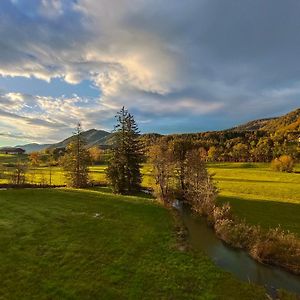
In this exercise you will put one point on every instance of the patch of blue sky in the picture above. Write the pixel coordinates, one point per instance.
(57, 87)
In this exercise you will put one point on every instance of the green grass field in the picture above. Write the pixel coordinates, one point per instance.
(256, 193)
(259, 195)
(90, 244)
(38, 175)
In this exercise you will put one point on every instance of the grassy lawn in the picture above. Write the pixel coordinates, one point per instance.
(257, 194)
(260, 195)
(42, 174)
(90, 244)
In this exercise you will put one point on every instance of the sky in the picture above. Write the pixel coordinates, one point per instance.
(178, 66)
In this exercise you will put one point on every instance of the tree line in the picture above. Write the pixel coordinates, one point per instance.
(130, 149)
(38, 167)
(239, 146)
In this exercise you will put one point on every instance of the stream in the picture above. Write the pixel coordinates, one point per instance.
(237, 262)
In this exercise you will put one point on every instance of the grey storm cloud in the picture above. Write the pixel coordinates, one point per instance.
(163, 59)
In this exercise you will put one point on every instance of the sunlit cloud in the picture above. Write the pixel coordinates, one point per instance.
(169, 63)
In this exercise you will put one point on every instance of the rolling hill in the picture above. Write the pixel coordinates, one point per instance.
(93, 137)
(33, 147)
(286, 123)
(253, 125)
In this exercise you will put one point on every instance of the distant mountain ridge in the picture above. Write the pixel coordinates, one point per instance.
(289, 122)
(33, 147)
(253, 125)
(93, 137)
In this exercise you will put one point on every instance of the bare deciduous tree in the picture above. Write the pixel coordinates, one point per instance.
(19, 172)
(200, 190)
(162, 159)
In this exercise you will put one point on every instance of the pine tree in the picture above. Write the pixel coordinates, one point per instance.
(76, 161)
(124, 166)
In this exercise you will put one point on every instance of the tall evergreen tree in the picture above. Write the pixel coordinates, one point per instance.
(124, 166)
(76, 160)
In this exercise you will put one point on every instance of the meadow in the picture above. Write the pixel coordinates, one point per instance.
(256, 193)
(260, 195)
(71, 244)
(91, 244)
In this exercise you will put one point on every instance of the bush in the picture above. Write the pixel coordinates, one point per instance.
(284, 163)
(278, 247)
(237, 234)
(275, 246)
(222, 212)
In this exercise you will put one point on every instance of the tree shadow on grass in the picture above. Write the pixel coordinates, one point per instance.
(144, 193)
(235, 165)
(250, 180)
(266, 213)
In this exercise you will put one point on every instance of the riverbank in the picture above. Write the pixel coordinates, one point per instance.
(273, 246)
(203, 238)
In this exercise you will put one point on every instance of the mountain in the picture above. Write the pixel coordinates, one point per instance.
(253, 125)
(33, 147)
(93, 137)
(285, 123)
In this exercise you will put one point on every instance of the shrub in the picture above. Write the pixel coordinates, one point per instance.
(284, 163)
(237, 234)
(278, 247)
(222, 212)
(18, 174)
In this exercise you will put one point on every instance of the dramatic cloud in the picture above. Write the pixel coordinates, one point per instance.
(179, 66)
(46, 118)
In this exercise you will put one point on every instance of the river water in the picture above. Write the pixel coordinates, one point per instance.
(237, 262)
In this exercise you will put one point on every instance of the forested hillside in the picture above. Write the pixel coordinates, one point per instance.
(253, 125)
(287, 123)
(255, 141)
